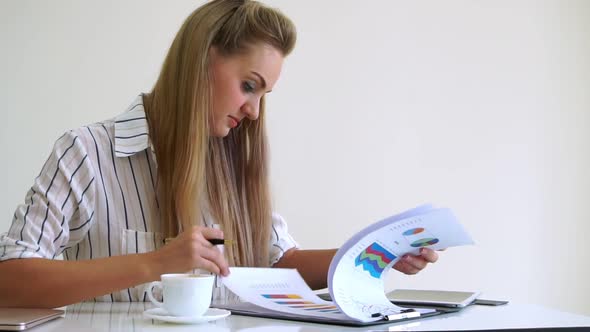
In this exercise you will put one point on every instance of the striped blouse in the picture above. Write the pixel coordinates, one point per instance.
(95, 198)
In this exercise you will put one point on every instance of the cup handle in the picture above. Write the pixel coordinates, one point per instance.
(150, 293)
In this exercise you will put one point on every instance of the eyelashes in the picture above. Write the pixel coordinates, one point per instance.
(249, 86)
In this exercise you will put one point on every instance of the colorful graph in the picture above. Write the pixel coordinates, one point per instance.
(424, 242)
(413, 231)
(374, 259)
(296, 302)
(282, 296)
(424, 238)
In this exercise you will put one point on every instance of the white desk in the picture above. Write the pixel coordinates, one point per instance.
(128, 317)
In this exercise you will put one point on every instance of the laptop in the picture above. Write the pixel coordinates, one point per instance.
(19, 319)
(432, 297)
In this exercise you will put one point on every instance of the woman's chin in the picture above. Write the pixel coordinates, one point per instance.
(220, 132)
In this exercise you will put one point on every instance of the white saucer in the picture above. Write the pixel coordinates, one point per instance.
(210, 315)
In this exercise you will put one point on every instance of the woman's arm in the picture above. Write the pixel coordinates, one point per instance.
(313, 265)
(45, 283)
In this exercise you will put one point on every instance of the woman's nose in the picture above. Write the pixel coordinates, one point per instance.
(250, 109)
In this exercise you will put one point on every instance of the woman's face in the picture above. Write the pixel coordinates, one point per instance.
(239, 81)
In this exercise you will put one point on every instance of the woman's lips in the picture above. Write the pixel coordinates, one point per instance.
(233, 122)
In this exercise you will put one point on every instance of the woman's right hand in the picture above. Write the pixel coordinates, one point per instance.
(191, 250)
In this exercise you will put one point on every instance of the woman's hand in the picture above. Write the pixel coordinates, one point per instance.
(410, 264)
(191, 250)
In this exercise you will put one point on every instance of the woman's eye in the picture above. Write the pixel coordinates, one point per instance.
(249, 86)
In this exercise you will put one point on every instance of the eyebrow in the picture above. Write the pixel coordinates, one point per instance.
(262, 80)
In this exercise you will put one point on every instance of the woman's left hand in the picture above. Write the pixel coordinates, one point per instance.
(410, 264)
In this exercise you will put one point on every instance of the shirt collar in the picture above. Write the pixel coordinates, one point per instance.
(131, 130)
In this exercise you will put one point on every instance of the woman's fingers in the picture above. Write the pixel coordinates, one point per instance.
(210, 251)
(208, 265)
(410, 264)
(214, 255)
(429, 255)
(211, 233)
(416, 262)
(192, 250)
(405, 267)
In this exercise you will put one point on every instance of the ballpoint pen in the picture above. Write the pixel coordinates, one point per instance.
(221, 241)
(212, 241)
(403, 314)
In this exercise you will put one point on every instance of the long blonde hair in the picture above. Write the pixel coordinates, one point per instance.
(229, 173)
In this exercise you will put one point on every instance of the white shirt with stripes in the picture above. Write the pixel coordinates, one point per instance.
(95, 197)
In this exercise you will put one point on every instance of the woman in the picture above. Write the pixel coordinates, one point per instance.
(190, 154)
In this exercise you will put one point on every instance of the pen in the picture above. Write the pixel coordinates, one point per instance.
(212, 241)
(404, 314)
(220, 241)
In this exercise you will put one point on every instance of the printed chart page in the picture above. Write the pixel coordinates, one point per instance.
(282, 290)
(357, 272)
(285, 291)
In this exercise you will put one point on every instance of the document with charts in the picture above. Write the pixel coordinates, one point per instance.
(356, 274)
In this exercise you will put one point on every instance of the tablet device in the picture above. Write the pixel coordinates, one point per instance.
(432, 297)
(19, 319)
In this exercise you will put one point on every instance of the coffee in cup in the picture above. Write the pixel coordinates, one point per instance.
(184, 294)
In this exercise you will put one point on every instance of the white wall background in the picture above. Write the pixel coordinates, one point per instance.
(480, 106)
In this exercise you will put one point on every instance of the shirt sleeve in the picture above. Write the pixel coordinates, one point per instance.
(58, 205)
(281, 240)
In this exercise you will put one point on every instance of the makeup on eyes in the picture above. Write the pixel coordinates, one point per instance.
(261, 79)
(249, 86)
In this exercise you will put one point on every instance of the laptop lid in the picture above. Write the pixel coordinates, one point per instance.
(432, 297)
(19, 319)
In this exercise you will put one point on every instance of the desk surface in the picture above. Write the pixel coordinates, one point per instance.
(128, 317)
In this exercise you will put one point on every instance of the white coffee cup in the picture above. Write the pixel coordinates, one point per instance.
(184, 294)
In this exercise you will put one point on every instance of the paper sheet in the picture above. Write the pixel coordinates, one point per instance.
(281, 290)
(357, 272)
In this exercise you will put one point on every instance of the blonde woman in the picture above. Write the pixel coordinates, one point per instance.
(187, 155)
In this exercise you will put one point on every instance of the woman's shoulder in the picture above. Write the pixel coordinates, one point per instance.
(125, 130)
(108, 133)
(91, 135)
